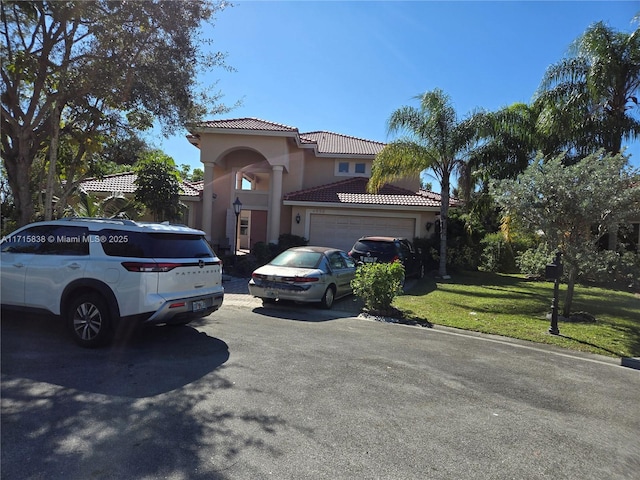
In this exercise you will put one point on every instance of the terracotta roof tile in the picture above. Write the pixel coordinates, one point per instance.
(191, 189)
(118, 182)
(354, 191)
(198, 186)
(247, 124)
(329, 142)
(454, 202)
(326, 142)
(125, 183)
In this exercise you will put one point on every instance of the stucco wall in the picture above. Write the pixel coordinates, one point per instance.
(256, 155)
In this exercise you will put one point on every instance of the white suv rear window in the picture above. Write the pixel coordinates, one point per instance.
(122, 243)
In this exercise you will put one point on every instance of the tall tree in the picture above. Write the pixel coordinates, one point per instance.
(433, 139)
(82, 155)
(158, 185)
(114, 61)
(589, 100)
(573, 206)
(509, 142)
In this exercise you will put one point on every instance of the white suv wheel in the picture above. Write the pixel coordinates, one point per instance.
(89, 320)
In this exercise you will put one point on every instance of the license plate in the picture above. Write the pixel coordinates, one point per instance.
(271, 293)
(199, 305)
(369, 259)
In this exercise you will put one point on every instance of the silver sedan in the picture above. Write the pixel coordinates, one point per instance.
(305, 274)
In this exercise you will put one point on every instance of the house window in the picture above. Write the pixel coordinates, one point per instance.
(244, 226)
(351, 168)
(243, 181)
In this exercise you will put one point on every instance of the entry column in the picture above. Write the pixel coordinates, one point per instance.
(207, 200)
(275, 203)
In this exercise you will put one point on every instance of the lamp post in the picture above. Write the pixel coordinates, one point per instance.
(237, 208)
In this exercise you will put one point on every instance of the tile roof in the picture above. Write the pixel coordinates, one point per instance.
(190, 189)
(118, 182)
(198, 186)
(247, 124)
(453, 202)
(354, 191)
(125, 183)
(327, 143)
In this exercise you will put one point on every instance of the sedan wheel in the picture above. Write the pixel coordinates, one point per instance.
(89, 321)
(327, 299)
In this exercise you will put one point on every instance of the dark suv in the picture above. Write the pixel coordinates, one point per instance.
(387, 250)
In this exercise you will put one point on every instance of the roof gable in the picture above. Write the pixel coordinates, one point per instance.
(323, 142)
(247, 124)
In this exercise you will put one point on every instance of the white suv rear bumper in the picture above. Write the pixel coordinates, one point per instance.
(182, 309)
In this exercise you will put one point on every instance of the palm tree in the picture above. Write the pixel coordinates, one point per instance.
(115, 205)
(434, 139)
(509, 142)
(589, 100)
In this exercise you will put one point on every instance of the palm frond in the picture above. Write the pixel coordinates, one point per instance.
(398, 159)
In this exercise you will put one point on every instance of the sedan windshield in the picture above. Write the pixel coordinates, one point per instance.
(298, 259)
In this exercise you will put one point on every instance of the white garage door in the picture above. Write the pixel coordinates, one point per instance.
(342, 231)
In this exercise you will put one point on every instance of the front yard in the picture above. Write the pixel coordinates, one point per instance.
(513, 306)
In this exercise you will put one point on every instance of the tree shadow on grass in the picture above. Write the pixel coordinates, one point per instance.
(500, 289)
(421, 287)
(582, 342)
(497, 294)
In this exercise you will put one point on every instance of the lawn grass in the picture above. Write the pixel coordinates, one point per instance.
(513, 306)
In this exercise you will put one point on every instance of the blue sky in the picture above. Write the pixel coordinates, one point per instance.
(345, 66)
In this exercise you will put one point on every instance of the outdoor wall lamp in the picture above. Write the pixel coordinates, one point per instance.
(298, 218)
(429, 225)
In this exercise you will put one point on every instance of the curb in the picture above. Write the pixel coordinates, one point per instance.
(631, 362)
(236, 288)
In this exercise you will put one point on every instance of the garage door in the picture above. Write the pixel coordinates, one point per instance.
(342, 231)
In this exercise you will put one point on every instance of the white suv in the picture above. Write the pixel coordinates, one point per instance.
(99, 273)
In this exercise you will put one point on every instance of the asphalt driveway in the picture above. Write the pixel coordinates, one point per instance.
(290, 393)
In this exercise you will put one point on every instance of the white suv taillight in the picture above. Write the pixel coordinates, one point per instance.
(149, 267)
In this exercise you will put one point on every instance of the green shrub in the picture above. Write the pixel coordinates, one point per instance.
(497, 254)
(533, 261)
(628, 269)
(378, 284)
(264, 252)
(287, 240)
(244, 266)
(609, 268)
(463, 244)
(429, 246)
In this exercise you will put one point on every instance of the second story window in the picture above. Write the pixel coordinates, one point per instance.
(351, 168)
